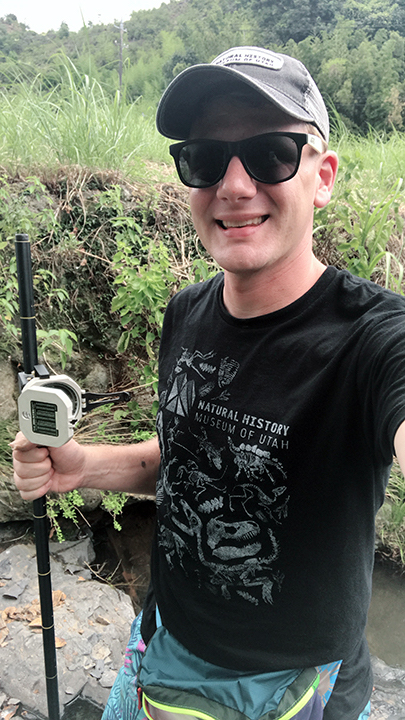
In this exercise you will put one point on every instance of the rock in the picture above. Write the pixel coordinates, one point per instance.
(8, 390)
(83, 641)
(97, 380)
(5, 569)
(95, 693)
(77, 553)
(107, 679)
(92, 499)
(14, 591)
(12, 506)
(388, 698)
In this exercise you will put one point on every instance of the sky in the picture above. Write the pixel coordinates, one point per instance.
(43, 15)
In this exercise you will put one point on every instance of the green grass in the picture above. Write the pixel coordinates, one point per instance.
(76, 123)
(379, 157)
(81, 122)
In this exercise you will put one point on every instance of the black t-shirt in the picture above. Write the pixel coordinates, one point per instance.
(276, 438)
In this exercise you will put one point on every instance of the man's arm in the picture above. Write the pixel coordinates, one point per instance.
(125, 468)
(399, 444)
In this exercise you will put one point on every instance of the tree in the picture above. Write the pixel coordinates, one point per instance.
(63, 31)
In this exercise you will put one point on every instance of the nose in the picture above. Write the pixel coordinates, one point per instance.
(236, 183)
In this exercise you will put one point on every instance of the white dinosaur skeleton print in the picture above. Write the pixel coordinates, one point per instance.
(222, 492)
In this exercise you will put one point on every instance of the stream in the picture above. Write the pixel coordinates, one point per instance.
(386, 619)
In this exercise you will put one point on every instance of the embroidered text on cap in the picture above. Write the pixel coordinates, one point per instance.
(250, 56)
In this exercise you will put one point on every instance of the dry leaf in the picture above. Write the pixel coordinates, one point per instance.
(59, 642)
(10, 612)
(26, 613)
(9, 711)
(37, 623)
(58, 598)
(31, 612)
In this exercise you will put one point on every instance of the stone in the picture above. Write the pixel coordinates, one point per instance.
(388, 698)
(14, 591)
(95, 693)
(5, 569)
(97, 670)
(8, 391)
(76, 553)
(12, 506)
(84, 641)
(100, 651)
(108, 678)
(97, 380)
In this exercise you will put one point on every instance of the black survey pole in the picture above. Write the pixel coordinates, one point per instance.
(30, 357)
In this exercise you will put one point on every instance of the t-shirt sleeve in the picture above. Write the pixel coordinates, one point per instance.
(381, 381)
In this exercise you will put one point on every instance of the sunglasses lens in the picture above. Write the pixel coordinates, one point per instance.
(201, 164)
(271, 159)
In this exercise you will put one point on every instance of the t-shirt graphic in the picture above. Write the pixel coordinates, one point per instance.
(222, 493)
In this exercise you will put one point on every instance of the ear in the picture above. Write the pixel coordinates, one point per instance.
(326, 178)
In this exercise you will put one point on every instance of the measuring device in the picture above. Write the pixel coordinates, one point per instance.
(49, 406)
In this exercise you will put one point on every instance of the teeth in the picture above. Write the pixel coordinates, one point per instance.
(253, 221)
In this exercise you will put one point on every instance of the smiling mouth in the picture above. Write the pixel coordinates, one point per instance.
(226, 224)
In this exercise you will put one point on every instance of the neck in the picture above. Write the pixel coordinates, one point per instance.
(254, 294)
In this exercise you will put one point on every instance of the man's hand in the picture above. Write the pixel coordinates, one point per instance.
(120, 468)
(38, 470)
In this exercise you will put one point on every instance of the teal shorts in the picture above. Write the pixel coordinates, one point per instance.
(123, 703)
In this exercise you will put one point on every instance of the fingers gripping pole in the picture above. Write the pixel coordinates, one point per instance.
(30, 357)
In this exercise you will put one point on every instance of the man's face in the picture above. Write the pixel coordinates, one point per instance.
(247, 226)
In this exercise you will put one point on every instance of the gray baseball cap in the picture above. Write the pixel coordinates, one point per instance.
(284, 80)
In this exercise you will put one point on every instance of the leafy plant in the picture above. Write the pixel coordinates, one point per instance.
(369, 224)
(61, 339)
(68, 505)
(363, 217)
(114, 503)
(17, 215)
(145, 281)
(8, 431)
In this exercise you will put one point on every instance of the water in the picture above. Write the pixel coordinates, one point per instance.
(78, 709)
(386, 619)
(82, 710)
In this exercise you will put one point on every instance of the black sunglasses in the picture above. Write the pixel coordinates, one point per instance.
(270, 158)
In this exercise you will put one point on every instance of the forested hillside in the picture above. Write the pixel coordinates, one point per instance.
(355, 49)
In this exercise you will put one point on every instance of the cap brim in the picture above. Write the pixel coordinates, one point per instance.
(179, 103)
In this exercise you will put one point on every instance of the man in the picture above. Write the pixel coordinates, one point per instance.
(281, 402)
